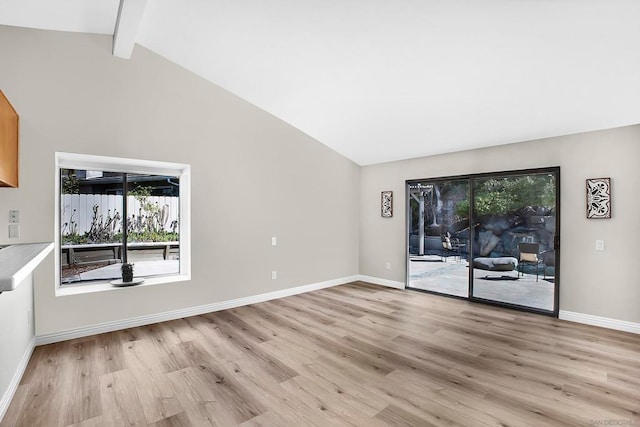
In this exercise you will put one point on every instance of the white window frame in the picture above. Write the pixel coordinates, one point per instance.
(124, 165)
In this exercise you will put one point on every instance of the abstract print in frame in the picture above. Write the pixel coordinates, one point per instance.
(599, 198)
(386, 204)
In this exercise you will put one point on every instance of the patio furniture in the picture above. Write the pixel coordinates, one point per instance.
(529, 254)
(507, 263)
(451, 245)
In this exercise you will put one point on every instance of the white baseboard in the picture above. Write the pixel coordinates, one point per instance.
(15, 381)
(185, 312)
(382, 282)
(603, 322)
(588, 319)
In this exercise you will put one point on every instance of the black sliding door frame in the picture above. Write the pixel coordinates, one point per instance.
(472, 178)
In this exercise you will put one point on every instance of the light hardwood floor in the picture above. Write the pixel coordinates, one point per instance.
(355, 354)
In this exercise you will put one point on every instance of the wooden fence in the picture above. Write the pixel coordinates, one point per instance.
(78, 208)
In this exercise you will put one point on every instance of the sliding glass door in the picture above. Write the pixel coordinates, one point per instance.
(486, 237)
(439, 236)
(515, 225)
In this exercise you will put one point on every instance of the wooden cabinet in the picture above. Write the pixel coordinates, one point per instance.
(8, 144)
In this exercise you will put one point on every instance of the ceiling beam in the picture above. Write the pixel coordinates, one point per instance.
(130, 15)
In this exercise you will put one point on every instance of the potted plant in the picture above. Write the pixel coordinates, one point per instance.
(127, 272)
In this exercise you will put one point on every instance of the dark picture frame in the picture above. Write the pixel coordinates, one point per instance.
(386, 204)
(598, 198)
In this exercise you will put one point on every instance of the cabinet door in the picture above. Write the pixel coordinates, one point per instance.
(8, 144)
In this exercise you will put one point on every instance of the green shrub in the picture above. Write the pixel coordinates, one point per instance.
(503, 195)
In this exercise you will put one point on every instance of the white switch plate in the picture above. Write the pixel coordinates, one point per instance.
(14, 216)
(599, 245)
(14, 231)
(274, 241)
(274, 275)
(387, 266)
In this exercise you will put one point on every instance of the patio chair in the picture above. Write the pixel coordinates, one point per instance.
(529, 254)
(450, 245)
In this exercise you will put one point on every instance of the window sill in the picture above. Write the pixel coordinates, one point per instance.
(103, 286)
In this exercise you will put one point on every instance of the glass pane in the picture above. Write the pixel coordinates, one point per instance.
(514, 256)
(93, 220)
(439, 236)
(153, 233)
(90, 225)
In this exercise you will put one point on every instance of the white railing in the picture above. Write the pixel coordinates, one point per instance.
(78, 209)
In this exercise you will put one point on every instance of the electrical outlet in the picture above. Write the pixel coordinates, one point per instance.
(274, 275)
(599, 245)
(14, 216)
(14, 231)
(274, 241)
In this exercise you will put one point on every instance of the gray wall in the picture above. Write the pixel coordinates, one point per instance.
(253, 176)
(596, 283)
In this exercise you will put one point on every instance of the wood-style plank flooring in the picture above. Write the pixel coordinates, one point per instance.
(355, 354)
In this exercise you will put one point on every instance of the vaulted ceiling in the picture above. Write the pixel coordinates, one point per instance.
(382, 80)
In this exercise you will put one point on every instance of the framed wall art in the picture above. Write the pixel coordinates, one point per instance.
(599, 198)
(386, 204)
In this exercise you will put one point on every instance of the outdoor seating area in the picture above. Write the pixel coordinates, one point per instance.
(505, 283)
(503, 227)
(452, 246)
(496, 264)
(112, 252)
(530, 255)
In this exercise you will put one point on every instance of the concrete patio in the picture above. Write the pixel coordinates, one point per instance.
(451, 276)
(140, 268)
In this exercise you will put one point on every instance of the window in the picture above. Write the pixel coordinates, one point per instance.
(112, 210)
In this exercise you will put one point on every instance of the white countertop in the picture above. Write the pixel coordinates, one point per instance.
(18, 261)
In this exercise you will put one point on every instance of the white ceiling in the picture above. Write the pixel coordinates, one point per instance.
(381, 80)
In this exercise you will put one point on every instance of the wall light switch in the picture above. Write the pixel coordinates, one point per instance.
(387, 266)
(274, 241)
(14, 216)
(599, 245)
(274, 275)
